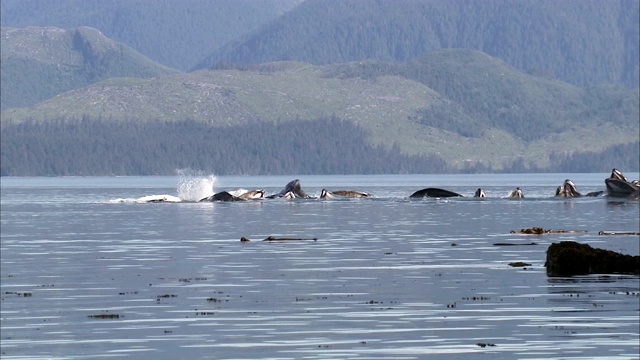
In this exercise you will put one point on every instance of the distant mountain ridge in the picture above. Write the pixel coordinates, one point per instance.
(176, 33)
(579, 42)
(41, 62)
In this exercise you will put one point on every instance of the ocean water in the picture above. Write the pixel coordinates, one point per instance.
(91, 269)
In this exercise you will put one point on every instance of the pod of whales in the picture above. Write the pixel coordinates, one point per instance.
(616, 186)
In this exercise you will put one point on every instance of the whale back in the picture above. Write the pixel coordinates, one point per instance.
(434, 192)
(221, 196)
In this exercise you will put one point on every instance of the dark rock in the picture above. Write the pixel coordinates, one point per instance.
(569, 258)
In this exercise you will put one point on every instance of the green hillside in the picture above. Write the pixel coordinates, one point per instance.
(175, 33)
(463, 106)
(38, 63)
(579, 42)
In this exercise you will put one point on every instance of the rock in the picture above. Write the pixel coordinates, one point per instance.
(569, 258)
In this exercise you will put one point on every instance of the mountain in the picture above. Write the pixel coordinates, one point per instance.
(176, 33)
(584, 43)
(38, 63)
(463, 106)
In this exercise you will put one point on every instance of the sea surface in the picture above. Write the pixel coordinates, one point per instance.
(90, 269)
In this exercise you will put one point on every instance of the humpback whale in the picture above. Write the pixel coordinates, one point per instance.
(516, 194)
(292, 190)
(569, 189)
(221, 196)
(479, 193)
(227, 196)
(618, 185)
(252, 195)
(326, 194)
(434, 192)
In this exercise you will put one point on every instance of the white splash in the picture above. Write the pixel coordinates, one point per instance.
(195, 187)
(147, 199)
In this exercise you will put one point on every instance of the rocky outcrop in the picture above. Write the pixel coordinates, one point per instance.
(570, 258)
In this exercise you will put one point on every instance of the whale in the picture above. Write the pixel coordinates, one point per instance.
(221, 196)
(479, 193)
(618, 186)
(569, 189)
(434, 192)
(252, 195)
(293, 190)
(227, 196)
(516, 194)
(326, 194)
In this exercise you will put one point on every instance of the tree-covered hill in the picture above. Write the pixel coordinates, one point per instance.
(320, 146)
(176, 33)
(465, 107)
(579, 42)
(40, 62)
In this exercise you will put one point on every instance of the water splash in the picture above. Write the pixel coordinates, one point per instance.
(194, 186)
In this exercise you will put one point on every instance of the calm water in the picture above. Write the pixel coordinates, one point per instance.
(90, 270)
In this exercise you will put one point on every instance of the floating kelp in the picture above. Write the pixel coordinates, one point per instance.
(539, 230)
(514, 244)
(104, 316)
(519, 264)
(274, 238)
(618, 233)
(569, 258)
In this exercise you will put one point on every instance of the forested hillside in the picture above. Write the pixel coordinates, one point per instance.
(469, 109)
(321, 146)
(175, 33)
(41, 62)
(257, 148)
(580, 42)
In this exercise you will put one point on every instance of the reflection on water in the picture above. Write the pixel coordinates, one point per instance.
(387, 278)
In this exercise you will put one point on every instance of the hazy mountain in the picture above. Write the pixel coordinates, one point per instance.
(580, 42)
(463, 106)
(366, 86)
(175, 33)
(38, 63)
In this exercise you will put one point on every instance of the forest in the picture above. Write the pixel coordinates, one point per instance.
(320, 146)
